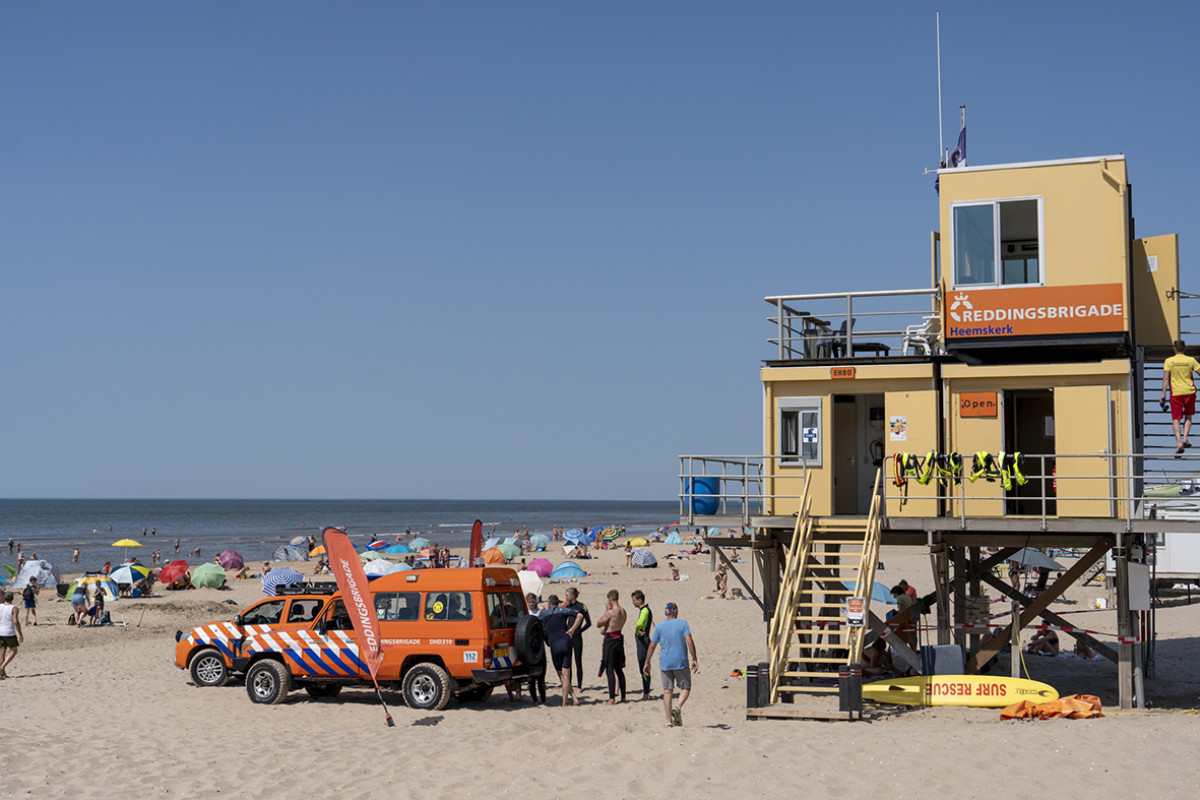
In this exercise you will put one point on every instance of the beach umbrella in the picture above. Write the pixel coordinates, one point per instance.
(638, 541)
(298, 540)
(510, 551)
(126, 544)
(1029, 557)
(208, 575)
(286, 552)
(880, 593)
(541, 566)
(574, 536)
(608, 534)
(644, 558)
(419, 543)
(539, 541)
(231, 559)
(530, 582)
(568, 569)
(378, 544)
(674, 538)
(129, 573)
(280, 576)
(45, 573)
(493, 556)
(398, 548)
(173, 572)
(106, 583)
(319, 550)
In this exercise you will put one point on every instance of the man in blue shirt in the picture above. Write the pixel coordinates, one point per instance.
(675, 638)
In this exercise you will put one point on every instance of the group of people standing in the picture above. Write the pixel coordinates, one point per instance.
(565, 623)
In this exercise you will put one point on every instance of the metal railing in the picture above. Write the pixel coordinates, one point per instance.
(1124, 487)
(845, 324)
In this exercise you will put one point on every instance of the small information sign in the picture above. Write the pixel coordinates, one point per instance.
(856, 612)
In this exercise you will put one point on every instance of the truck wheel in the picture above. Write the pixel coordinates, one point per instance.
(208, 668)
(478, 694)
(268, 682)
(427, 687)
(529, 640)
(319, 691)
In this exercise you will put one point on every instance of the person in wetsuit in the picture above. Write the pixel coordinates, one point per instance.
(561, 623)
(577, 641)
(641, 635)
(612, 656)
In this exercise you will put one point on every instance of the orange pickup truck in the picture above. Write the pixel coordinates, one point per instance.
(443, 632)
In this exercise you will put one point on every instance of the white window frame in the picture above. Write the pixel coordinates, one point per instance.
(997, 257)
(799, 405)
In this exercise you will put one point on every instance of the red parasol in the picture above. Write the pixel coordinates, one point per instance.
(173, 572)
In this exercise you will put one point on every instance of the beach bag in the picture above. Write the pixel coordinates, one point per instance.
(105, 619)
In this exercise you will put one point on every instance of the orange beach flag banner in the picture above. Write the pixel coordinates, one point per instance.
(352, 581)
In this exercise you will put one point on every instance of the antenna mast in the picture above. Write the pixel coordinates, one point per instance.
(941, 149)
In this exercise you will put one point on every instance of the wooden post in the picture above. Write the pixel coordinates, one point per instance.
(941, 582)
(960, 594)
(976, 591)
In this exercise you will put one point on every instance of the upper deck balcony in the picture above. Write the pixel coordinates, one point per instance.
(872, 324)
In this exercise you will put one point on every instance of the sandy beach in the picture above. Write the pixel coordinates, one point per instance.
(103, 711)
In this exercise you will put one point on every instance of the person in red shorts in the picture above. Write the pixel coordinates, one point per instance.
(1178, 381)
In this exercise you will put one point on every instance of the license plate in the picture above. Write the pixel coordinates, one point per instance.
(501, 652)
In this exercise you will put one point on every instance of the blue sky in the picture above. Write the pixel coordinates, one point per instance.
(493, 250)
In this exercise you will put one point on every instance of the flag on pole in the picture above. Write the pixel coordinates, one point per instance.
(958, 158)
(352, 581)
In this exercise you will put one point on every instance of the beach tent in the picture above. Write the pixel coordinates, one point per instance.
(45, 573)
(539, 541)
(644, 558)
(530, 582)
(512, 540)
(399, 567)
(280, 576)
(638, 541)
(107, 583)
(399, 548)
(491, 542)
(568, 569)
(674, 538)
(208, 575)
(493, 556)
(287, 552)
(541, 566)
(377, 567)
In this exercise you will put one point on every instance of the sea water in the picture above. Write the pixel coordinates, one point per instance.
(53, 529)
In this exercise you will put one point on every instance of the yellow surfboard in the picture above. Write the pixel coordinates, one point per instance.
(988, 691)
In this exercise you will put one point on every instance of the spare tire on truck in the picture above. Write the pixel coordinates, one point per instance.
(529, 640)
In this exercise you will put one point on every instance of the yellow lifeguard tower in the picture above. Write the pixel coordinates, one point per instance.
(1002, 406)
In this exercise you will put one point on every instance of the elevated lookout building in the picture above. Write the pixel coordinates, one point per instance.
(1011, 402)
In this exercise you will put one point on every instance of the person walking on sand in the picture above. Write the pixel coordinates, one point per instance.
(561, 624)
(641, 636)
(577, 639)
(1177, 380)
(11, 636)
(675, 638)
(29, 595)
(612, 654)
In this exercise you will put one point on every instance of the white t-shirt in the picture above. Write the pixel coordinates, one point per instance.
(7, 613)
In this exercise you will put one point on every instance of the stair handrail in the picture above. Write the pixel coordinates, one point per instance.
(866, 575)
(782, 623)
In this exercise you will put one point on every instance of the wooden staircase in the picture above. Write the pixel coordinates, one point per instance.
(809, 639)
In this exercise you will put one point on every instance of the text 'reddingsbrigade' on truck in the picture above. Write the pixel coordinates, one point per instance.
(208, 651)
(443, 633)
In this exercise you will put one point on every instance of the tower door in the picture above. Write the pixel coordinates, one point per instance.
(1029, 427)
(1083, 436)
(857, 452)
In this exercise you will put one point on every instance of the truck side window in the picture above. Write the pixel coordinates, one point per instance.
(495, 612)
(339, 618)
(453, 606)
(268, 613)
(303, 610)
(398, 606)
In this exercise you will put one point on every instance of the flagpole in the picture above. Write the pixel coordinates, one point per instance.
(941, 149)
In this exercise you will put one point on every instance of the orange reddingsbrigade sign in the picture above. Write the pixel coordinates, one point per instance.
(977, 404)
(1034, 311)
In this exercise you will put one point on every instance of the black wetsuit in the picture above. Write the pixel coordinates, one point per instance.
(557, 621)
(577, 641)
(613, 659)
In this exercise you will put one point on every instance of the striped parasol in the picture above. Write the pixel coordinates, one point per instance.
(644, 558)
(130, 573)
(281, 576)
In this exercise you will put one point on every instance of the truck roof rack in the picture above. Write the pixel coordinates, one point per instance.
(322, 587)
